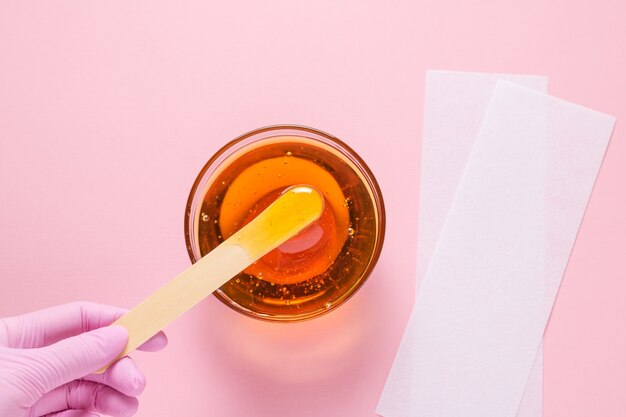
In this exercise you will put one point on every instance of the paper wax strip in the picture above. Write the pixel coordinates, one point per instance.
(455, 104)
(479, 317)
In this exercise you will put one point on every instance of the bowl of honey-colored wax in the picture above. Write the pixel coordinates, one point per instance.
(325, 264)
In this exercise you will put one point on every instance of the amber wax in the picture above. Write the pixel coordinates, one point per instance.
(323, 265)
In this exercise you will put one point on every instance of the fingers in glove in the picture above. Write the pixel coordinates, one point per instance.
(72, 358)
(44, 327)
(73, 413)
(86, 396)
(123, 376)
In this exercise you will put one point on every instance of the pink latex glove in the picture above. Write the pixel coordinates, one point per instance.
(47, 360)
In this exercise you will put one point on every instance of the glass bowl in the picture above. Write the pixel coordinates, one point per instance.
(324, 265)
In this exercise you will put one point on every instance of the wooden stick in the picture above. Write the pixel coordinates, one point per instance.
(294, 210)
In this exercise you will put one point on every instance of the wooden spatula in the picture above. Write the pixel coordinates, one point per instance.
(295, 209)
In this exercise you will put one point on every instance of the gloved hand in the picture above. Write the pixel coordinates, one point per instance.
(47, 360)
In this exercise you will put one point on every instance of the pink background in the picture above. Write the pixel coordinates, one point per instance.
(109, 109)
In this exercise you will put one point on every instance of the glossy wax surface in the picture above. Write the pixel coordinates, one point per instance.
(321, 267)
(313, 251)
